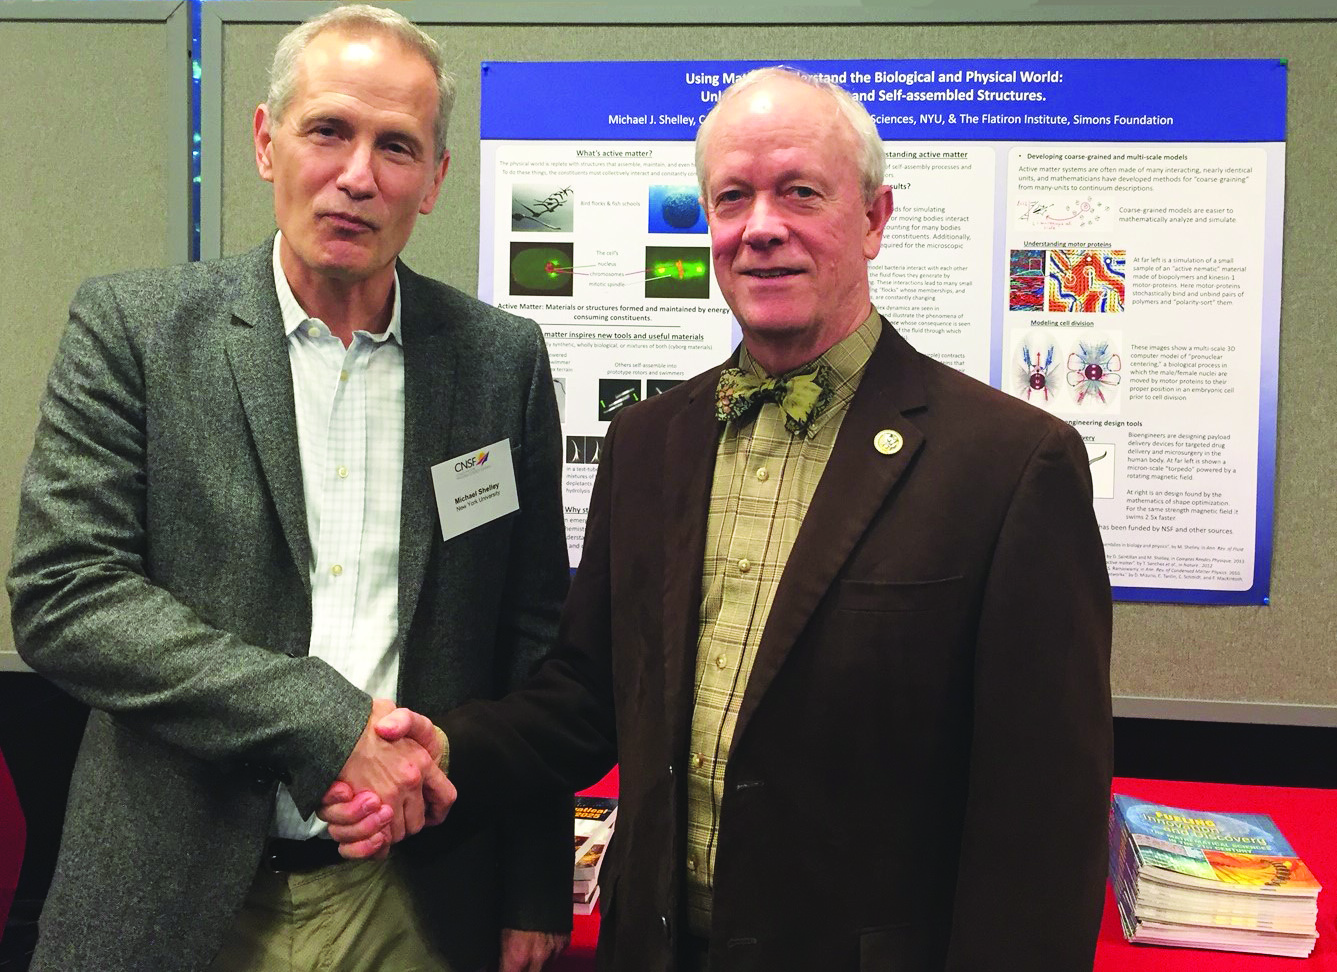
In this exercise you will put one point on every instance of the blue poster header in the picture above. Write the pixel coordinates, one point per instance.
(1124, 100)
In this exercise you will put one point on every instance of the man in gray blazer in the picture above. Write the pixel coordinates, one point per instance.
(229, 547)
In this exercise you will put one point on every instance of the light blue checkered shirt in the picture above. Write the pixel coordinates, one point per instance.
(350, 433)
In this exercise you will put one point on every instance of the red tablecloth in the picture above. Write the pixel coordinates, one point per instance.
(1307, 817)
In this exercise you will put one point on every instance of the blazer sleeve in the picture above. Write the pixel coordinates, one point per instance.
(1030, 888)
(86, 613)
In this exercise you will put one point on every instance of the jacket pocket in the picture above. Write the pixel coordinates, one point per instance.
(898, 596)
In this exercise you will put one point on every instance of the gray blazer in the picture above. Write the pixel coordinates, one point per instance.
(161, 576)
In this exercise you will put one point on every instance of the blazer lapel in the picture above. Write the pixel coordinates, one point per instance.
(430, 378)
(853, 487)
(689, 467)
(257, 353)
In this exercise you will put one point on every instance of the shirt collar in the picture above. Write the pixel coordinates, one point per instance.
(293, 315)
(845, 360)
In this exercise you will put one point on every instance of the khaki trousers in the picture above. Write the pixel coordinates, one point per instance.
(353, 917)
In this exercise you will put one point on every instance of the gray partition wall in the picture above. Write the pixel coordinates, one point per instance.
(94, 177)
(1246, 664)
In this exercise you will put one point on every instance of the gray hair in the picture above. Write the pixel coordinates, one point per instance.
(360, 19)
(871, 160)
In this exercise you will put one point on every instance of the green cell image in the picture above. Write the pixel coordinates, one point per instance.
(677, 272)
(542, 269)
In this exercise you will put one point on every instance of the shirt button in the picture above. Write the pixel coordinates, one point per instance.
(762, 475)
(744, 566)
(312, 331)
(691, 864)
(721, 661)
(343, 375)
(337, 569)
(698, 760)
(343, 472)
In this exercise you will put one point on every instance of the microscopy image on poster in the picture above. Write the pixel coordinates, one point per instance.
(677, 272)
(542, 269)
(542, 208)
(1026, 280)
(676, 209)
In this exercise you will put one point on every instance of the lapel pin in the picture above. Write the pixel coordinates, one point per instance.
(888, 442)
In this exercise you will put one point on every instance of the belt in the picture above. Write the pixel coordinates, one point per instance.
(300, 856)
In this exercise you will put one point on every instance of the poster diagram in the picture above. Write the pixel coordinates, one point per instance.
(1098, 238)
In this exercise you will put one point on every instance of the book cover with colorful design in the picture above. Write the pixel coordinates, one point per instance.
(1244, 851)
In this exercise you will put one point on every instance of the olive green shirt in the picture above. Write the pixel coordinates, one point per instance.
(765, 478)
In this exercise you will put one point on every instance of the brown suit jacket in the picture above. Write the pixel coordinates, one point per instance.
(920, 771)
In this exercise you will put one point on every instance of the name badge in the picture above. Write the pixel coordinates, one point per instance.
(475, 488)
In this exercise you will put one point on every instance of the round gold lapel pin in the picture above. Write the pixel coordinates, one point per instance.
(888, 442)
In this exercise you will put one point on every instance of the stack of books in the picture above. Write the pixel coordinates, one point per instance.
(595, 817)
(1202, 879)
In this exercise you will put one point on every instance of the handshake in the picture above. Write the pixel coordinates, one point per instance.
(392, 784)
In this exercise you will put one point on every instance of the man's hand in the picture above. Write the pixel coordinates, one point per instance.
(388, 788)
(358, 822)
(528, 951)
(404, 723)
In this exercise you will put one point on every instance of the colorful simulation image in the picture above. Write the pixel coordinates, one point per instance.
(542, 269)
(1035, 369)
(1095, 370)
(1085, 281)
(677, 272)
(542, 208)
(1026, 280)
(676, 209)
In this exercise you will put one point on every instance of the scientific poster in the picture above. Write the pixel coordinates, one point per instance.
(1100, 238)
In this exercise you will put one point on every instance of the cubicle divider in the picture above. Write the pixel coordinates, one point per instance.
(94, 178)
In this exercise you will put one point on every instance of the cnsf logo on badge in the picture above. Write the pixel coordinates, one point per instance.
(472, 461)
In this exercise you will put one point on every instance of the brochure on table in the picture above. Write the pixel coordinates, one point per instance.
(1101, 238)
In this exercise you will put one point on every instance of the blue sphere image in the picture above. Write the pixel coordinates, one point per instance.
(681, 209)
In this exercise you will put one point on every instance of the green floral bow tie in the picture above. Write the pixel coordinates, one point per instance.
(802, 397)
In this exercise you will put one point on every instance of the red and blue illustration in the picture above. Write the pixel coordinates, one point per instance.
(1085, 281)
(1035, 373)
(1092, 368)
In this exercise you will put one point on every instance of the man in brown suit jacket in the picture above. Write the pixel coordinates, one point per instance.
(850, 645)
